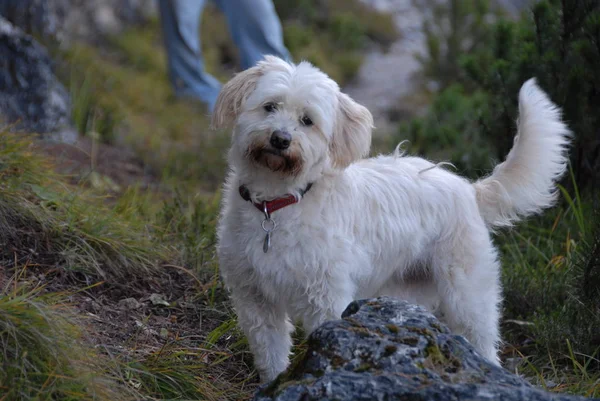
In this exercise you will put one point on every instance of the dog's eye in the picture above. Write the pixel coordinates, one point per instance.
(306, 121)
(270, 107)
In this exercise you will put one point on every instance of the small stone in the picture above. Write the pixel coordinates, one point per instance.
(129, 304)
(159, 299)
(512, 364)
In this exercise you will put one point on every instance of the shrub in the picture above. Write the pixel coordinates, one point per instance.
(556, 43)
(452, 131)
(453, 28)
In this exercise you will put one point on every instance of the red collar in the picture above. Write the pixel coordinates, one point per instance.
(275, 204)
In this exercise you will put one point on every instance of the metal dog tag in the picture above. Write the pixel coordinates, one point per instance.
(268, 225)
(267, 242)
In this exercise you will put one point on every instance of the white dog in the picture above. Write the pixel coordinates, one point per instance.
(308, 225)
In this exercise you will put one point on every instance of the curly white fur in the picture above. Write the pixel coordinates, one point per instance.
(389, 225)
(524, 183)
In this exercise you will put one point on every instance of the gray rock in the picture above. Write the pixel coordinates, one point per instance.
(66, 21)
(129, 304)
(31, 16)
(31, 97)
(388, 349)
(32, 100)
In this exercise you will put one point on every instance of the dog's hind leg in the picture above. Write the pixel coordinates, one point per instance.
(467, 277)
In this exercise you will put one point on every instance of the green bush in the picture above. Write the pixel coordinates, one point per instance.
(556, 43)
(455, 27)
(452, 131)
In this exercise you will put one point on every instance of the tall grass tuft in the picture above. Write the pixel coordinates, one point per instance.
(551, 278)
(42, 356)
(44, 220)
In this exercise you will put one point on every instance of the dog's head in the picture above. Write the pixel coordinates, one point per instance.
(291, 120)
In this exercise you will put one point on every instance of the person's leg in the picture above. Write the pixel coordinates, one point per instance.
(255, 29)
(180, 20)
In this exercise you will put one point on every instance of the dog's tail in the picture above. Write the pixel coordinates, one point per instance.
(525, 183)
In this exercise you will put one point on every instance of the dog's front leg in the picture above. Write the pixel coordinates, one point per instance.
(326, 302)
(267, 328)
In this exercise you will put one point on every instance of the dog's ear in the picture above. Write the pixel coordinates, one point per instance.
(235, 92)
(233, 95)
(352, 132)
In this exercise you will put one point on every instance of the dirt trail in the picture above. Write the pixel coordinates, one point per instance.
(385, 78)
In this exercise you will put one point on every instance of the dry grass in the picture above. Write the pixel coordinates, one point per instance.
(46, 221)
(43, 352)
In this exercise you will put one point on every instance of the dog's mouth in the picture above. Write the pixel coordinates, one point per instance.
(272, 159)
(286, 162)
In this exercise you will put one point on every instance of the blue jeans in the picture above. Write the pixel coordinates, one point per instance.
(254, 27)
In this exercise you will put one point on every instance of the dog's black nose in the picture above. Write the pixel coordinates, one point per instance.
(280, 139)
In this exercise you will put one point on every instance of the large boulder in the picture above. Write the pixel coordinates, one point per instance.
(388, 349)
(31, 97)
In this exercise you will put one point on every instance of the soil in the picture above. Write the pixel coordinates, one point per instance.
(139, 320)
(118, 165)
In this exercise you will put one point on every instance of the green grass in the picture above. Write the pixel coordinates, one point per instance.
(176, 372)
(52, 223)
(42, 354)
(47, 354)
(551, 279)
(136, 106)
